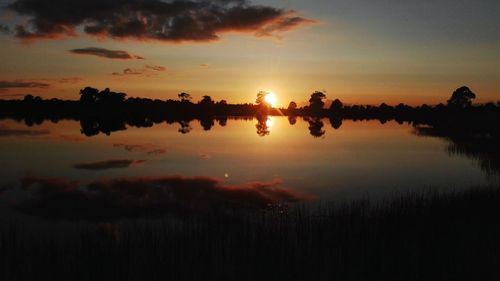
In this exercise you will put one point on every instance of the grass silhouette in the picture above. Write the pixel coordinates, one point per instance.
(415, 236)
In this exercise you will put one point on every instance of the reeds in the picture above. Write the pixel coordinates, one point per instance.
(428, 236)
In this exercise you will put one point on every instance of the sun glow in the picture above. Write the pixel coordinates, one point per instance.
(271, 99)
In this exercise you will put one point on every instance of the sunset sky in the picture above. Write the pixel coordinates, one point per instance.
(359, 51)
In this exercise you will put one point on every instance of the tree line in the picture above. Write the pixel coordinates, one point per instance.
(107, 104)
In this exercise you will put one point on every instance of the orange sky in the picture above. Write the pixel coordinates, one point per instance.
(354, 51)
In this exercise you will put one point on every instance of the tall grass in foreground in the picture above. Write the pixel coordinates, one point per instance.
(431, 236)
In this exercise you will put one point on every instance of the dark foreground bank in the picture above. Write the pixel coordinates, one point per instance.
(452, 236)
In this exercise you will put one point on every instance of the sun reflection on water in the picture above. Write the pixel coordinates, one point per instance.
(269, 123)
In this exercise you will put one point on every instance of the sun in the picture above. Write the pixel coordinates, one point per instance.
(271, 99)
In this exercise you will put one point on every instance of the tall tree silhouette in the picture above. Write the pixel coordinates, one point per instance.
(336, 106)
(89, 95)
(206, 101)
(260, 100)
(316, 103)
(185, 97)
(461, 97)
(262, 106)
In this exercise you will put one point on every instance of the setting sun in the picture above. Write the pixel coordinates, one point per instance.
(271, 99)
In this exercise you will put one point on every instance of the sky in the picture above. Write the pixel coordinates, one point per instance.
(359, 51)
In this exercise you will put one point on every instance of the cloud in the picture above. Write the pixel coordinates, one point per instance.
(129, 71)
(156, 67)
(105, 53)
(38, 83)
(147, 70)
(10, 95)
(283, 24)
(63, 80)
(22, 84)
(158, 151)
(8, 132)
(204, 65)
(108, 164)
(70, 80)
(106, 200)
(167, 21)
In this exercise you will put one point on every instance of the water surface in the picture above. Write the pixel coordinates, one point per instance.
(302, 159)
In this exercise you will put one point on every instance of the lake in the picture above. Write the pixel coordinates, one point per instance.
(204, 164)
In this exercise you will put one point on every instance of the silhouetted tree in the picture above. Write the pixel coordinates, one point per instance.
(185, 97)
(260, 100)
(28, 98)
(106, 96)
(336, 106)
(206, 101)
(262, 106)
(292, 119)
(316, 103)
(89, 95)
(461, 97)
(292, 106)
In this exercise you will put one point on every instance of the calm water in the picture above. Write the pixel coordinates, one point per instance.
(306, 160)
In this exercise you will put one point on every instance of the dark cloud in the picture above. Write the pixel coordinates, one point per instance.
(108, 164)
(105, 53)
(106, 200)
(283, 24)
(70, 80)
(22, 84)
(147, 70)
(157, 151)
(41, 83)
(9, 132)
(129, 71)
(170, 21)
(156, 67)
(63, 80)
(10, 95)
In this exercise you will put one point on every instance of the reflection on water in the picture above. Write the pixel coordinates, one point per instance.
(315, 126)
(106, 170)
(477, 143)
(263, 126)
(118, 198)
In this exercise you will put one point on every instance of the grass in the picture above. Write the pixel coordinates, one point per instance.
(429, 236)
